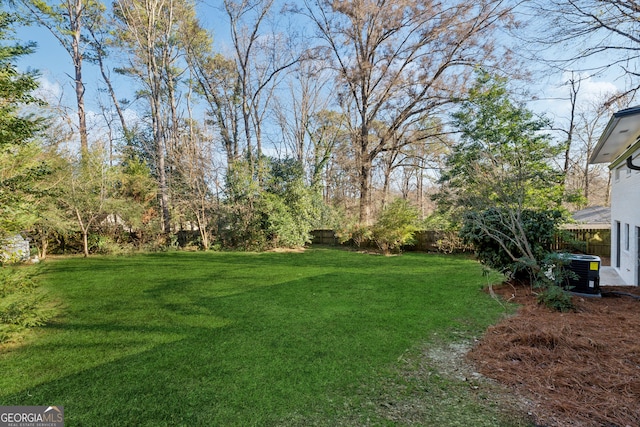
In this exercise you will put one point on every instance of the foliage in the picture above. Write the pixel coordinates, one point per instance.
(281, 225)
(545, 271)
(104, 199)
(136, 198)
(16, 126)
(68, 22)
(21, 163)
(22, 303)
(23, 170)
(105, 244)
(500, 179)
(86, 191)
(504, 158)
(391, 76)
(508, 242)
(271, 207)
(395, 226)
(290, 221)
(354, 232)
(556, 298)
(553, 279)
(448, 233)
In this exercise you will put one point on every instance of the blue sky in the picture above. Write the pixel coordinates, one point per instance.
(55, 67)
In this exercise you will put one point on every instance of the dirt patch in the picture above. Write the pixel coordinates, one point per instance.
(577, 369)
(438, 386)
(298, 250)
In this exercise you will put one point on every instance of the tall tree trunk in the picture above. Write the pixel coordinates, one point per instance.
(85, 233)
(82, 116)
(76, 28)
(586, 181)
(573, 98)
(420, 185)
(365, 193)
(44, 245)
(100, 53)
(161, 169)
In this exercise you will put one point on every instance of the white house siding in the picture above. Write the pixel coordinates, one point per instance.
(625, 211)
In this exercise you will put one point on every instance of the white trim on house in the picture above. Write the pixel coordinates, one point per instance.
(619, 142)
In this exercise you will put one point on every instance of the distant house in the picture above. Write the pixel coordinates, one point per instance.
(594, 218)
(14, 248)
(619, 146)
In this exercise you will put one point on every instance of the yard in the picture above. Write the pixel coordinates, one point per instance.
(323, 337)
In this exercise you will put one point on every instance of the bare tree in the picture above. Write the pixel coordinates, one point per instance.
(299, 107)
(592, 181)
(574, 89)
(604, 32)
(400, 61)
(411, 162)
(101, 39)
(583, 126)
(195, 173)
(217, 82)
(260, 59)
(151, 31)
(86, 192)
(68, 21)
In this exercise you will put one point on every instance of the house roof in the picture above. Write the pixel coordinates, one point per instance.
(593, 215)
(621, 133)
(592, 218)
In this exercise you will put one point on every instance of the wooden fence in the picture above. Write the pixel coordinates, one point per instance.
(592, 241)
(589, 241)
(425, 241)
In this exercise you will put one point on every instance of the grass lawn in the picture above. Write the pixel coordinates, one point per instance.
(242, 339)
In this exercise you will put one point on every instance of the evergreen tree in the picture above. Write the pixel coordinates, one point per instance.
(21, 166)
(501, 180)
(16, 88)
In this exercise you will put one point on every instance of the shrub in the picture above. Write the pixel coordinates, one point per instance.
(552, 279)
(447, 235)
(273, 209)
(396, 226)
(283, 228)
(22, 303)
(106, 245)
(356, 233)
(556, 298)
(500, 237)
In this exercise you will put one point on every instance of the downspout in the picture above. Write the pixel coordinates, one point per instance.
(630, 164)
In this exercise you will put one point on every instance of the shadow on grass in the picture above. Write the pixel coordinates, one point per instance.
(237, 339)
(245, 372)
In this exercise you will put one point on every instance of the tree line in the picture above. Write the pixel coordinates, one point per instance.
(317, 114)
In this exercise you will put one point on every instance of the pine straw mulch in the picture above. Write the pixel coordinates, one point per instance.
(580, 368)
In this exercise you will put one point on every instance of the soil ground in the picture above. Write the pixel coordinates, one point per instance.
(580, 368)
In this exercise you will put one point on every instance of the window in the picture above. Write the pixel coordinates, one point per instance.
(618, 238)
(626, 237)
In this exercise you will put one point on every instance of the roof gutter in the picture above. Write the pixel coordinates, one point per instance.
(630, 164)
(613, 122)
(627, 156)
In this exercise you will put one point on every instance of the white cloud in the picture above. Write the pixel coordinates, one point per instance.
(591, 90)
(555, 102)
(49, 90)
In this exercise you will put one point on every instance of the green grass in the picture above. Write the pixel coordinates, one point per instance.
(241, 339)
